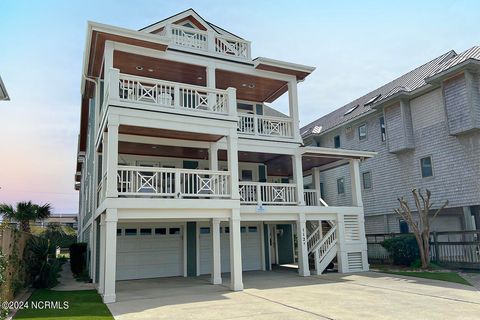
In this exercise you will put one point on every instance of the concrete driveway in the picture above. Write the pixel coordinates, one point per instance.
(283, 295)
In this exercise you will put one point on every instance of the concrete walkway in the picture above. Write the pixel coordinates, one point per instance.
(68, 282)
(284, 295)
(473, 278)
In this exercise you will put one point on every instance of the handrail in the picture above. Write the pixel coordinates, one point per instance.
(272, 184)
(328, 235)
(180, 170)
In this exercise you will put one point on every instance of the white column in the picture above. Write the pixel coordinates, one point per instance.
(93, 260)
(356, 183)
(232, 101)
(232, 159)
(293, 107)
(303, 267)
(316, 185)
(341, 250)
(112, 157)
(298, 177)
(110, 255)
(213, 156)
(101, 276)
(236, 282)
(217, 267)
(91, 247)
(211, 84)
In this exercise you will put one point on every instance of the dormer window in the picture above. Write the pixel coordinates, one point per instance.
(351, 110)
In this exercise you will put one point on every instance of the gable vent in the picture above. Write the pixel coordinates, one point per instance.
(354, 260)
(352, 228)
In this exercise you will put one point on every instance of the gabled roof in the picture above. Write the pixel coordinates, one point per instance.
(189, 13)
(416, 79)
(3, 91)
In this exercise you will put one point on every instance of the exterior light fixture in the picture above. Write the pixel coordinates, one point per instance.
(139, 68)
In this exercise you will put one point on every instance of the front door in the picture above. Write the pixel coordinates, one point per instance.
(273, 244)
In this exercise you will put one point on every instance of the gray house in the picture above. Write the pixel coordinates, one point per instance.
(425, 126)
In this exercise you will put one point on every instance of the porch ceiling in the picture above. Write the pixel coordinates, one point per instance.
(250, 87)
(171, 134)
(159, 68)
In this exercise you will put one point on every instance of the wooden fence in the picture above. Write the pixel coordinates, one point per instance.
(455, 249)
(12, 245)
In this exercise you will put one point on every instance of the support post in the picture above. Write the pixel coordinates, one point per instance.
(101, 278)
(110, 255)
(303, 267)
(93, 260)
(211, 84)
(217, 267)
(293, 108)
(236, 281)
(298, 177)
(213, 156)
(232, 101)
(341, 252)
(112, 157)
(316, 185)
(232, 159)
(356, 183)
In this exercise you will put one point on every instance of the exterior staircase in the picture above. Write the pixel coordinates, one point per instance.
(322, 243)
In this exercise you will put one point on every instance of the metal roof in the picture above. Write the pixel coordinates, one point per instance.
(407, 82)
(472, 53)
(3, 91)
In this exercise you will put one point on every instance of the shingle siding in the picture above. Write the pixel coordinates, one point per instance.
(457, 105)
(456, 163)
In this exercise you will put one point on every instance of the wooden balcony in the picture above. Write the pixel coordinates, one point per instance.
(263, 193)
(265, 126)
(207, 41)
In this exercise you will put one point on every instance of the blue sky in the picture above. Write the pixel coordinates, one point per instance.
(356, 46)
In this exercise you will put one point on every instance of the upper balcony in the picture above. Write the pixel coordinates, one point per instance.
(209, 41)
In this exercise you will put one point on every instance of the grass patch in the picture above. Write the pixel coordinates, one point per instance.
(443, 276)
(86, 304)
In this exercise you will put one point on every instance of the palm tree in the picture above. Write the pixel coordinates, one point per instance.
(25, 212)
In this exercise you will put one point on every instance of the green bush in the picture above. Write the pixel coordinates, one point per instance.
(78, 257)
(59, 236)
(403, 249)
(42, 266)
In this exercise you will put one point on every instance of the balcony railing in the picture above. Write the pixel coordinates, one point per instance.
(310, 197)
(172, 183)
(172, 94)
(207, 41)
(265, 126)
(261, 193)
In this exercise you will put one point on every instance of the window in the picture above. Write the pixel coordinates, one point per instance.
(383, 132)
(204, 230)
(130, 232)
(243, 229)
(426, 166)
(252, 229)
(350, 110)
(145, 231)
(362, 132)
(119, 232)
(367, 180)
(403, 226)
(322, 191)
(247, 175)
(372, 100)
(336, 141)
(174, 231)
(160, 231)
(227, 229)
(341, 186)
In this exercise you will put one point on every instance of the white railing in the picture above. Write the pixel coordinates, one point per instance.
(265, 126)
(310, 197)
(189, 37)
(172, 94)
(173, 183)
(267, 193)
(232, 46)
(328, 241)
(208, 41)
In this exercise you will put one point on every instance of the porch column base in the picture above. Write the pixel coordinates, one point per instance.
(109, 298)
(303, 267)
(236, 280)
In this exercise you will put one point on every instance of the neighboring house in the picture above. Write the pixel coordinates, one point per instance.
(184, 170)
(68, 220)
(3, 91)
(425, 127)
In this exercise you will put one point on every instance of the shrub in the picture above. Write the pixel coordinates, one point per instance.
(403, 249)
(78, 259)
(41, 264)
(59, 236)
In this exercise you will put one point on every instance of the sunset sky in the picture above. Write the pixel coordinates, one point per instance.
(356, 46)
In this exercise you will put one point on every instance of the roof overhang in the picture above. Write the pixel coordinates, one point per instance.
(298, 70)
(469, 64)
(3, 91)
(98, 33)
(336, 153)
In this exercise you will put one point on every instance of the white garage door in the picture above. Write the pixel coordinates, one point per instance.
(251, 248)
(149, 252)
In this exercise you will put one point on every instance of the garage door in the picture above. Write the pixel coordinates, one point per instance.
(251, 248)
(149, 252)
